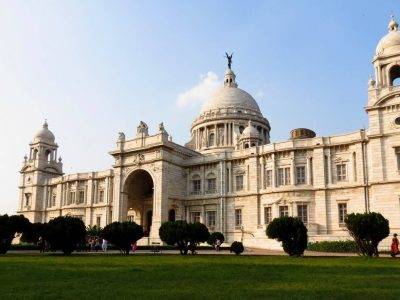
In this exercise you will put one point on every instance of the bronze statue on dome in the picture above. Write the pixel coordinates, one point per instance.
(229, 57)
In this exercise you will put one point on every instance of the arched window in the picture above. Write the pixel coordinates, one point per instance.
(253, 145)
(246, 146)
(171, 215)
(35, 153)
(211, 139)
(47, 154)
(394, 75)
(241, 128)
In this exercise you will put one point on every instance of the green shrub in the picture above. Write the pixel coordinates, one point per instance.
(65, 233)
(186, 236)
(9, 227)
(237, 248)
(291, 232)
(368, 230)
(214, 237)
(333, 246)
(123, 234)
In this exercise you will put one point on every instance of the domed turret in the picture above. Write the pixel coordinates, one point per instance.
(224, 117)
(44, 135)
(390, 43)
(250, 131)
(250, 137)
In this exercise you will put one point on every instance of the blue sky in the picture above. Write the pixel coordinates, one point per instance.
(94, 68)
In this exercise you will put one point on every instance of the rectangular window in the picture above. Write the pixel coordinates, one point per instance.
(71, 197)
(301, 175)
(196, 186)
(211, 185)
(283, 211)
(239, 182)
(211, 216)
(267, 214)
(302, 212)
(101, 196)
(238, 218)
(195, 216)
(397, 151)
(268, 178)
(341, 173)
(342, 213)
(287, 176)
(54, 198)
(283, 176)
(27, 199)
(98, 221)
(81, 197)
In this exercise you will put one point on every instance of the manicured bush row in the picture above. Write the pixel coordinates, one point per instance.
(333, 246)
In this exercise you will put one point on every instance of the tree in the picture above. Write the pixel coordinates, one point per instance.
(368, 230)
(94, 231)
(214, 237)
(9, 227)
(186, 236)
(291, 232)
(237, 248)
(123, 234)
(65, 233)
(198, 233)
(175, 233)
(34, 232)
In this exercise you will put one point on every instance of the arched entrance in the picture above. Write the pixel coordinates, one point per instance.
(139, 190)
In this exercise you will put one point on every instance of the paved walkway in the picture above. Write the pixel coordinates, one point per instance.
(248, 251)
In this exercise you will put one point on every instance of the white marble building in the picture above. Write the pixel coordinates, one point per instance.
(230, 176)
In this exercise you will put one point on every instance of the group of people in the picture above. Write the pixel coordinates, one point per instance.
(94, 244)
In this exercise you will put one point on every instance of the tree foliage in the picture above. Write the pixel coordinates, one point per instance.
(368, 230)
(34, 232)
(94, 231)
(237, 247)
(214, 237)
(9, 227)
(123, 234)
(186, 236)
(291, 232)
(65, 233)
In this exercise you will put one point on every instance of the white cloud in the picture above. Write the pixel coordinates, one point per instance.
(259, 95)
(200, 92)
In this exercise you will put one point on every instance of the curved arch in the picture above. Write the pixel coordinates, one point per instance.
(138, 190)
(394, 75)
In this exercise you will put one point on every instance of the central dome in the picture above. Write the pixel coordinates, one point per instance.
(231, 97)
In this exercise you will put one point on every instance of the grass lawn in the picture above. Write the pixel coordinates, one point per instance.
(173, 276)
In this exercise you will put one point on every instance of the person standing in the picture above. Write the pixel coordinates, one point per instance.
(394, 249)
(104, 245)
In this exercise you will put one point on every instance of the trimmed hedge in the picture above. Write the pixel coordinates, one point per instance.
(333, 246)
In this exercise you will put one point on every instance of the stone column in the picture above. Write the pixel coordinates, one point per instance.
(225, 135)
(273, 170)
(308, 171)
(329, 166)
(293, 173)
(262, 173)
(160, 200)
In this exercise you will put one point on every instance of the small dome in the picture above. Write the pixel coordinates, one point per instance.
(44, 134)
(390, 42)
(250, 131)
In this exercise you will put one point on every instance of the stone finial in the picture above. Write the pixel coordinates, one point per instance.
(371, 82)
(45, 124)
(25, 158)
(393, 26)
(60, 160)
